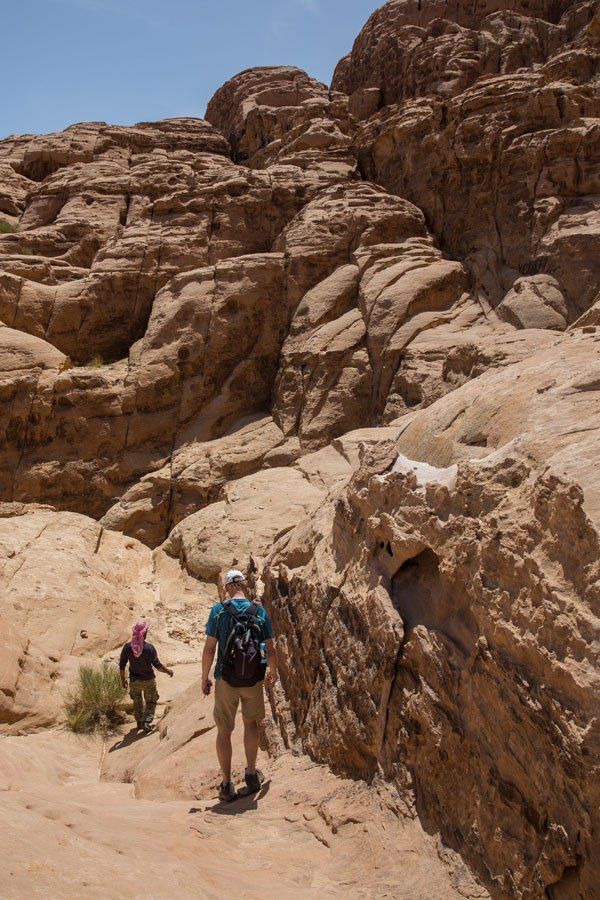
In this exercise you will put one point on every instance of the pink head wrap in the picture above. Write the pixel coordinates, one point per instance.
(138, 633)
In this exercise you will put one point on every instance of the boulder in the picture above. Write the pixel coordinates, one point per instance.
(23, 352)
(535, 302)
(237, 106)
(254, 513)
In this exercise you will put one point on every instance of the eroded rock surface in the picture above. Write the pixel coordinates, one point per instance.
(348, 339)
(26, 674)
(491, 160)
(453, 602)
(69, 590)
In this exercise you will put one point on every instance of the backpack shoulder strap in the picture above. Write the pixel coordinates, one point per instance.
(255, 609)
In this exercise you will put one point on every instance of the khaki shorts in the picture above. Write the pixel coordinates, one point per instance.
(227, 699)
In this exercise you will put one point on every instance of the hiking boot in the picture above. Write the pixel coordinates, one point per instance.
(147, 726)
(139, 725)
(254, 781)
(227, 792)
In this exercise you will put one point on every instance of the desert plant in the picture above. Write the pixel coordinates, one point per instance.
(6, 227)
(93, 704)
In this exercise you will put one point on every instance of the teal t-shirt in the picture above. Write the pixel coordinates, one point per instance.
(219, 622)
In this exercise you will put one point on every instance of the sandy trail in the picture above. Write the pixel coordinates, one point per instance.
(66, 833)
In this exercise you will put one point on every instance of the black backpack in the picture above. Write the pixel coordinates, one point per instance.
(243, 662)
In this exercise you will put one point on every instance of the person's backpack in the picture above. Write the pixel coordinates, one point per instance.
(243, 663)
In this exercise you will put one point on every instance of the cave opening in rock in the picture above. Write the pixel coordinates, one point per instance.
(38, 167)
(423, 595)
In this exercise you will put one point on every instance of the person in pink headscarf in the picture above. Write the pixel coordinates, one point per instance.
(138, 636)
(143, 660)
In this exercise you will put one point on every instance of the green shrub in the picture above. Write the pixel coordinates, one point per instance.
(7, 228)
(94, 702)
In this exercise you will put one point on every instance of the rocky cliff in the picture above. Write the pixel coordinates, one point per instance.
(348, 338)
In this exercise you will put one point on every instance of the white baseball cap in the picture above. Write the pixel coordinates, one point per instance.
(233, 576)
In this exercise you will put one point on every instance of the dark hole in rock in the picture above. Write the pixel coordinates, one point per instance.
(38, 167)
(424, 596)
(476, 440)
(534, 266)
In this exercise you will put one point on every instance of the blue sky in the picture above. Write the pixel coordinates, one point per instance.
(125, 61)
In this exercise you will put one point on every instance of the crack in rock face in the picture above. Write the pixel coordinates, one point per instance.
(345, 338)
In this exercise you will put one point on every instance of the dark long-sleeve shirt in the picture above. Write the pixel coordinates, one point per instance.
(141, 668)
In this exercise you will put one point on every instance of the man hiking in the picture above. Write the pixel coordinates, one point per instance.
(143, 659)
(243, 633)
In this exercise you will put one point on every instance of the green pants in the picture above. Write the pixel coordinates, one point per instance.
(141, 691)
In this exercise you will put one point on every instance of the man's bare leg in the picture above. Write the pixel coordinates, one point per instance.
(224, 754)
(251, 738)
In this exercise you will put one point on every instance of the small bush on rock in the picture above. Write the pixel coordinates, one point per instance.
(94, 704)
(6, 227)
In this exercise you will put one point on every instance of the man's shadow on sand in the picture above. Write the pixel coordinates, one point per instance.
(130, 738)
(246, 801)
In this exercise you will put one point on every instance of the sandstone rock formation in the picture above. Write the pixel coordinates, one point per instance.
(69, 589)
(439, 591)
(348, 339)
(26, 674)
(508, 177)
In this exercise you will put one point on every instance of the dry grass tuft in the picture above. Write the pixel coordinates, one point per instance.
(94, 704)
